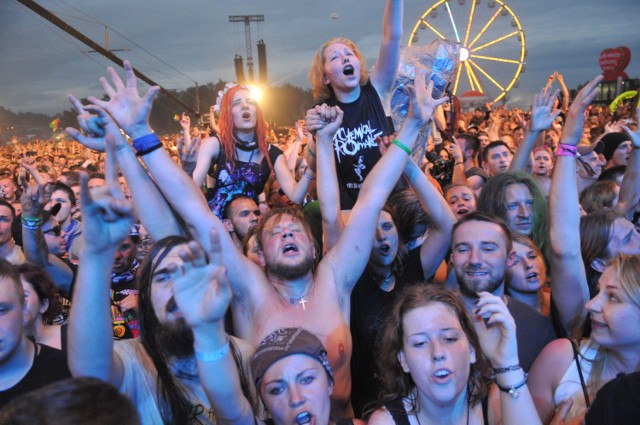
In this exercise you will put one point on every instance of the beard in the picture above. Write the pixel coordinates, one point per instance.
(291, 271)
(470, 287)
(176, 339)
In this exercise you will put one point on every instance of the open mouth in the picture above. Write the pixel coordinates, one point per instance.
(348, 70)
(303, 418)
(246, 115)
(384, 249)
(171, 307)
(533, 276)
(462, 211)
(289, 248)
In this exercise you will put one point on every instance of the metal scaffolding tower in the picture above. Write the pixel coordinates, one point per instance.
(247, 19)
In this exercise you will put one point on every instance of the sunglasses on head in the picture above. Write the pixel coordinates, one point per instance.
(56, 230)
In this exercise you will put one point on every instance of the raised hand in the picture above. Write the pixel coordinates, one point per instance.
(542, 113)
(125, 105)
(185, 122)
(34, 199)
(331, 119)
(106, 213)
(422, 102)
(456, 152)
(635, 135)
(572, 130)
(189, 154)
(201, 289)
(96, 123)
(496, 330)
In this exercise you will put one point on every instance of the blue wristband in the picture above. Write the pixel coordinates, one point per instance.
(146, 142)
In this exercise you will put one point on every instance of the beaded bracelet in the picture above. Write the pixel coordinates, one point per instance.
(499, 370)
(212, 356)
(511, 390)
(566, 150)
(402, 146)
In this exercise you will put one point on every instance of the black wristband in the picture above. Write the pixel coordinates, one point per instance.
(149, 150)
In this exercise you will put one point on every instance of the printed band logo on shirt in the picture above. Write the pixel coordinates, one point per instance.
(348, 142)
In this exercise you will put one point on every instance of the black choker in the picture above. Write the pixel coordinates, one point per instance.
(245, 146)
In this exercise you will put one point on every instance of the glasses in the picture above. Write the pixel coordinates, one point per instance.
(55, 230)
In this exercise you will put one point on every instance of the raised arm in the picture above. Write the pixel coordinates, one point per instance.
(568, 278)
(630, 186)
(33, 241)
(152, 208)
(209, 151)
(497, 336)
(131, 112)
(437, 244)
(542, 116)
(295, 190)
(202, 294)
(384, 71)
(327, 187)
(107, 217)
(349, 257)
(565, 93)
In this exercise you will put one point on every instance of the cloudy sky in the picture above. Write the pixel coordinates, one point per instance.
(179, 42)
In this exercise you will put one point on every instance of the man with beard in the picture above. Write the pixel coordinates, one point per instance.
(158, 371)
(481, 253)
(292, 292)
(240, 214)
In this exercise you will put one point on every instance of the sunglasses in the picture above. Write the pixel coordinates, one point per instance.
(56, 230)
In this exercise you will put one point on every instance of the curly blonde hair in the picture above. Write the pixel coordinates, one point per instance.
(322, 91)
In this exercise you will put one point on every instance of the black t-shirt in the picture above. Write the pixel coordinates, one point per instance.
(354, 145)
(49, 365)
(370, 307)
(533, 331)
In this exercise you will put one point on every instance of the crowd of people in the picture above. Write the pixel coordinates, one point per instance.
(230, 275)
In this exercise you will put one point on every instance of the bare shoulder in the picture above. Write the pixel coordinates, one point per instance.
(552, 362)
(381, 417)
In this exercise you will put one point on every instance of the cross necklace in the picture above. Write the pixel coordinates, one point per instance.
(299, 298)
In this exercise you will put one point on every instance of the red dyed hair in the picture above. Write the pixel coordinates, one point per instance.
(226, 127)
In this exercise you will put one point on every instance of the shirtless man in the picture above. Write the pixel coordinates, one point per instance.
(290, 292)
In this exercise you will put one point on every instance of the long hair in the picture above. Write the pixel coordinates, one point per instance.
(175, 407)
(400, 261)
(599, 196)
(492, 200)
(596, 230)
(627, 274)
(44, 287)
(322, 91)
(227, 128)
(398, 383)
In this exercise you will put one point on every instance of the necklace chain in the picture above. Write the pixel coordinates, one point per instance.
(299, 298)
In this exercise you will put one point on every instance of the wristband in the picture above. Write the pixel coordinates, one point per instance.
(31, 223)
(149, 150)
(212, 356)
(145, 142)
(304, 173)
(458, 163)
(566, 150)
(499, 370)
(511, 390)
(402, 146)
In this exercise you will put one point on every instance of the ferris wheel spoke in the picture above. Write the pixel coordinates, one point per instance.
(428, 25)
(453, 23)
(466, 68)
(492, 58)
(473, 9)
(483, 72)
(487, 25)
(475, 79)
(455, 86)
(497, 40)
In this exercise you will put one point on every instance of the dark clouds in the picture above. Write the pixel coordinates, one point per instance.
(40, 63)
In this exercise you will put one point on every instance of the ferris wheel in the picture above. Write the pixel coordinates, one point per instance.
(493, 46)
